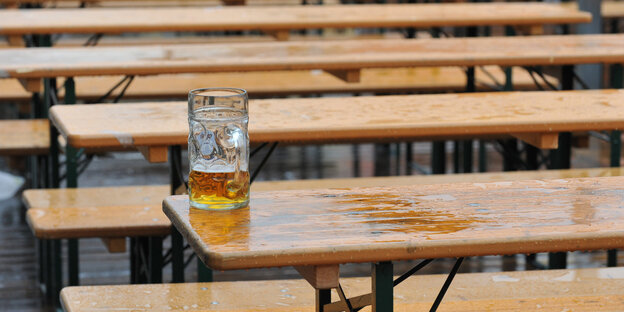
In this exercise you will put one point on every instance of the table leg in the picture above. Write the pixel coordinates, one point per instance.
(177, 256)
(177, 241)
(382, 285)
(323, 297)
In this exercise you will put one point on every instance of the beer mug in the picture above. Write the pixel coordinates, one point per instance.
(218, 148)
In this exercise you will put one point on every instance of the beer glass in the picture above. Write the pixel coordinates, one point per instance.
(218, 148)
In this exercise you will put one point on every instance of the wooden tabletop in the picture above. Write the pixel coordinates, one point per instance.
(333, 226)
(18, 22)
(371, 118)
(335, 55)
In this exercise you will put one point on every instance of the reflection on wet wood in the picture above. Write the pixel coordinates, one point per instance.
(280, 18)
(303, 55)
(371, 118)
(319, 227)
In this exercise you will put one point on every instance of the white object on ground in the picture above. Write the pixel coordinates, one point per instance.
(9, 185)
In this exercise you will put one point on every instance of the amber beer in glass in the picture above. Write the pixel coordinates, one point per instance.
(218, 147)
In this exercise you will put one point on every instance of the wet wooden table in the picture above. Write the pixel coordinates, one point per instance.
(315, 231)
(535, 117)
(342, 58)
(279, 20)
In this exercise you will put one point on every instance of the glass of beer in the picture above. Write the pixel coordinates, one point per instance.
(218, 148)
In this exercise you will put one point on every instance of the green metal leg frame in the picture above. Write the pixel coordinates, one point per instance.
(382, 285)
(616, 76)
(560, 159)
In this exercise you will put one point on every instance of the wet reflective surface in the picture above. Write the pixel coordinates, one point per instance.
(446, 220)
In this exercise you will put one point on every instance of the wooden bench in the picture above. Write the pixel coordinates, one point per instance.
(553, 290)
(279, 20)
(24, 137)
(119, 212)
(260, 84)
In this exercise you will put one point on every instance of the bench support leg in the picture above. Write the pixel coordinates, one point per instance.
(73, 265)
(139, 260)
(438, 157)
(155, 259)
(382, 287)
(55, 279)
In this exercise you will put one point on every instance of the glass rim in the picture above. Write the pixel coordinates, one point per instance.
(235, 92)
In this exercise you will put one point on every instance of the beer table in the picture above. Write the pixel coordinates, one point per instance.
(536, 117)
(279, 20)
(317, 230)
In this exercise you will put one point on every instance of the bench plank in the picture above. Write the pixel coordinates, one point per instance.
(104, 20)
(375, 118)
(46, 206)
(423, 79)
(306, 55)
(552, 290)
(97, 212)
(24, 137)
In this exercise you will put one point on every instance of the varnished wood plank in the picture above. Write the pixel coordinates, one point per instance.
(331, 226)
(24, 137)
(97, 212)
(321, 276)
(380, 118)
(283, 18)
(287, 82)
(540, 140)
(552, 290)
(324, 55)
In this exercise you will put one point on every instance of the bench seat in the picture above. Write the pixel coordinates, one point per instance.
(554, 290)
(437, 79)
(119, 212)
(24, 137)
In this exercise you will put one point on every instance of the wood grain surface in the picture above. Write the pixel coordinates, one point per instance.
(97, 212)
(326, 55)
(21, 22)
(372, 118)
(287, 82)
(24, 137)
(332, 226)
(553, 290)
